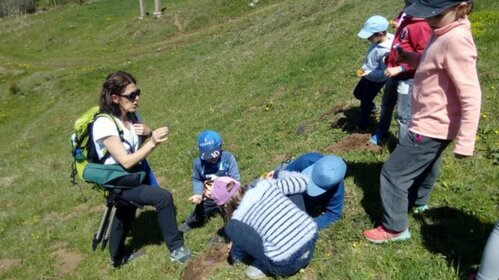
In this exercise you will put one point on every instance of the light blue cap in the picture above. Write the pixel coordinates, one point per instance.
(209, 144)
(373, 25)
(324, 174)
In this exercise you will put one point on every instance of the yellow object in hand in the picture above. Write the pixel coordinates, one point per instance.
(359, 72)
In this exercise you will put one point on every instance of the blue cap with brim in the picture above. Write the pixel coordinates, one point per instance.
(324, 174)
(373, 25)
(209, 144)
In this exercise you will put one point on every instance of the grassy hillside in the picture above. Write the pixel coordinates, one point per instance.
(271, 79)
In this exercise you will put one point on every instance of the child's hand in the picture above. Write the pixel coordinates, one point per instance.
(393, 71)
(268, 175)
(196, 199)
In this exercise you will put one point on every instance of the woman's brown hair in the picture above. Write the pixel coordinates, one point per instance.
(114, 84)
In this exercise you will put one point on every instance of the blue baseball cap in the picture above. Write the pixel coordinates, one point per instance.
(373, 25)
(209, 144)
(324, 174)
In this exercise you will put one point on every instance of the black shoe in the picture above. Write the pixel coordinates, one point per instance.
(126, 259)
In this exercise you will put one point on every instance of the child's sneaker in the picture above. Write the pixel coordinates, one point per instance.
(254, 272)
(420, 209)
(375, 139)
(380, 235)
(181, 255)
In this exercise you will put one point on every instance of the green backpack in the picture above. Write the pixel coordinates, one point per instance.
(83, 148)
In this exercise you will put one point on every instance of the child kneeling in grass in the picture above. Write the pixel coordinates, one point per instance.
(266, 228)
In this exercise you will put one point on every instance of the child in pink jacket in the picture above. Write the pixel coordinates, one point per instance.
(445, 106)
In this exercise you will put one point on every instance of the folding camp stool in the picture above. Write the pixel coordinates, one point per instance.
(113, 198)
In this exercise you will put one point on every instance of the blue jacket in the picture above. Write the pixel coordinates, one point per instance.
(327, 208)
(226, 166)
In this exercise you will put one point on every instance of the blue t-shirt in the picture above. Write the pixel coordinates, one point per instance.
(202, 170)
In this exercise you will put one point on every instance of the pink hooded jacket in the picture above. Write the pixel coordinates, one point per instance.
(446, 94)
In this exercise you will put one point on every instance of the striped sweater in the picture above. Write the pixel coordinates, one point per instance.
(286, 231)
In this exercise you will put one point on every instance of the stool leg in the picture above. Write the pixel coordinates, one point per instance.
(102, 227)
(108, 230)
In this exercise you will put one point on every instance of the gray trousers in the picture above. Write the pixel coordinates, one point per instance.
(412, 168)
(489, 267)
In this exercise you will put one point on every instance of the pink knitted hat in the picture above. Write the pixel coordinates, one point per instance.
(221, 191)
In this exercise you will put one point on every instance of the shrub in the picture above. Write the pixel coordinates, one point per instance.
(16, 7)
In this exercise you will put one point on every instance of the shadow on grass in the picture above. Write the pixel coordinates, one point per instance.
(457, 235)
(348, 123)
(366, 176)
(145, 230)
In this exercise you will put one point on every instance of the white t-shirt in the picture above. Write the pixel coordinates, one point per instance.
(104, 127)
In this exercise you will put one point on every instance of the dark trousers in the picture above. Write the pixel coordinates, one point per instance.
(414, 165)
(203, 211)
(248, 240)
(366, 91)
(162, 200)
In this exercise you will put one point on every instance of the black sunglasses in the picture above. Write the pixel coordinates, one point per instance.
(132, 95)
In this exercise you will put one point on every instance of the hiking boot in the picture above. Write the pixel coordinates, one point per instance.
(254, 272)
(181, 255)
(420, 209)
(126, 259)
(380, 235)
(184, 228)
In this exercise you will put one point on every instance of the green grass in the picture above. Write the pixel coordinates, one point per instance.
(265, 78)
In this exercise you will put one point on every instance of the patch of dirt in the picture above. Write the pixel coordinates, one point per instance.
(354, 142)
(203, 265)
(6, 264)
(336, 109)
(6, 181)
(178, 23)
(66, 261)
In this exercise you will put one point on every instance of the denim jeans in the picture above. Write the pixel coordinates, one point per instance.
(410, 166)
(366, 91)
(248, 240)
(401, 90)
(162, 200)
(489, 268)
(404, 108)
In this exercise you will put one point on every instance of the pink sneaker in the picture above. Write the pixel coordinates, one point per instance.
(381, 235)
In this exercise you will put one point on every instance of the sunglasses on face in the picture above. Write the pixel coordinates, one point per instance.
(132, 95)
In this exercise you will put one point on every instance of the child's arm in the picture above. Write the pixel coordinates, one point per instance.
(460, 63)
(334, 209)
(197, 183)
(234, 169)
(291, 182)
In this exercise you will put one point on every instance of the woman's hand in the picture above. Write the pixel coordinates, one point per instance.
(141, 129)
(196, 199)
(159, 135)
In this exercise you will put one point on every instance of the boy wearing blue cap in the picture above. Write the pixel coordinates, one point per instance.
(372, 71)
(212, 162)
(325, 194)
